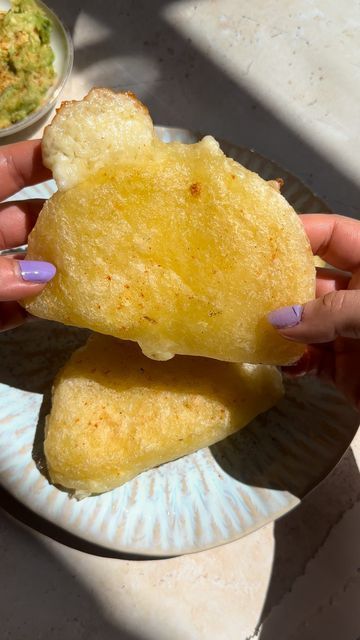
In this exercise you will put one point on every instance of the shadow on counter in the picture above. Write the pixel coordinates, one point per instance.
(137, 48)
(188, 89)
(43, 598)
(293, 448)
(298, 536)
(194, 92)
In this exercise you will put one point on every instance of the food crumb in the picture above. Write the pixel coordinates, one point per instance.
(195, 189)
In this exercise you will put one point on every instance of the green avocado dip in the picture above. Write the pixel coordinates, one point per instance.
(26, 60)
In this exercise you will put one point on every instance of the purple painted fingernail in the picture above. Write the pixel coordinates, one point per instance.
(286, 316)
(36, 271)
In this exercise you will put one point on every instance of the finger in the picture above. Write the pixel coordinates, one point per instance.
(328, 280)
(334, 238)
(316, 360)
(336, 363)
(11, 315)
(22, 278)
(21, 165)
(16, 221)
(321, 320)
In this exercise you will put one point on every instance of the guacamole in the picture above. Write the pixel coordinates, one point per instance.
(26, 60)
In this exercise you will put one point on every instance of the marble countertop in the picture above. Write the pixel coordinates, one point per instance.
(283, 78)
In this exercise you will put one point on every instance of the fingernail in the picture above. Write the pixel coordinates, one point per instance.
(286, 316)
(36, 271)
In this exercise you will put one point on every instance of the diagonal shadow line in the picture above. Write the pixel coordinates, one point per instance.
(202, 97)
(195, 92)
(300, 534)
(43, 597)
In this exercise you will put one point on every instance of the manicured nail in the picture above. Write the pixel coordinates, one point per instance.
(286, 316)
(36, 271)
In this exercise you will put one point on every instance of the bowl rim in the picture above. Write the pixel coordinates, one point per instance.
(57, 87)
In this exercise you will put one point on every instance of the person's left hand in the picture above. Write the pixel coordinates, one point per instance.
(20, 165)
(330, 324)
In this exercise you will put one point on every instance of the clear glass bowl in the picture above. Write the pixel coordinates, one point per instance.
(62, 46)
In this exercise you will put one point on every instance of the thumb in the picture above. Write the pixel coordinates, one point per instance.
(21, 278)
(322, 320)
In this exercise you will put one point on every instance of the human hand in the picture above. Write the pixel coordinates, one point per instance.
(330, 324)
(20, 166)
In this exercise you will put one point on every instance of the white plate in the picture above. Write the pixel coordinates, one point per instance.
(211, 497)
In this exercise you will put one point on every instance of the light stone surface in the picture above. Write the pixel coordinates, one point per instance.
(282, 78)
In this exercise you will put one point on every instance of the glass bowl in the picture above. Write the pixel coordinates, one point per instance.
(62, 46)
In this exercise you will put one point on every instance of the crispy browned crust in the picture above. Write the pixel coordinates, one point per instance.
(66, 103)
(276, 184)
(135, 100)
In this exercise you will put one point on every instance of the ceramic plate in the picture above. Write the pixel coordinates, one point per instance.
(205, 499)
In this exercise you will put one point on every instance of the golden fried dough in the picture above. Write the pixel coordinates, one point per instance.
(105, 124)
(116, 413)
(173, 246)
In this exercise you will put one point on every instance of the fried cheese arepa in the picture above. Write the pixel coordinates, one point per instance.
(116, 413)
(174, 246)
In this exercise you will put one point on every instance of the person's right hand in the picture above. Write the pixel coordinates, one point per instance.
(330, 324)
